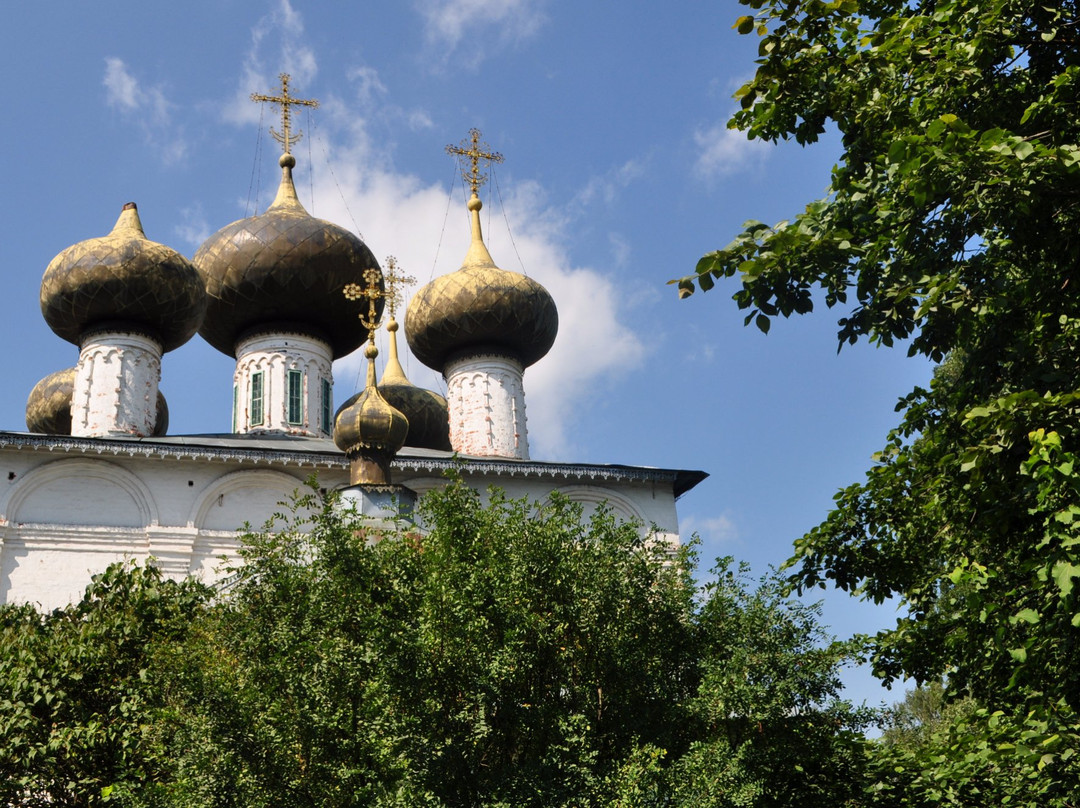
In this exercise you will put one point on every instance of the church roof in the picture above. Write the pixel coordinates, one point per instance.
(315, 453)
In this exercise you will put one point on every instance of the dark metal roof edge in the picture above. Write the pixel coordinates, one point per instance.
(207, 447)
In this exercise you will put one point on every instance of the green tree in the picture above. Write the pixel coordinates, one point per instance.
(507, 654)
(950, 226)
(80, 689)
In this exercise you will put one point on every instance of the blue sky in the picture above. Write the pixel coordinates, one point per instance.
(619, 174)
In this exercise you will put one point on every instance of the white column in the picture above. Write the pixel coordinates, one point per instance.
(269, 369)
(116, 385)
(486, 398)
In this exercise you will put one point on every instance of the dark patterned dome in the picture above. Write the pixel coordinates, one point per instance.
(123, 280)
(48, 408)
(283, 270)
(481, 307)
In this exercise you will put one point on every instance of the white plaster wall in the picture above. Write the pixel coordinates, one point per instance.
(116, 386)
(486, 399)
(274, 355)
(62, 519)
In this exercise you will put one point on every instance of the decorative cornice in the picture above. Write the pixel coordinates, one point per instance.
(229, 448)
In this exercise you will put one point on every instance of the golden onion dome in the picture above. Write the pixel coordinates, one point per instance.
(123, 280)
(370, 428)
(283, 270)
(425, 410)
(480, 308)
(48, 408)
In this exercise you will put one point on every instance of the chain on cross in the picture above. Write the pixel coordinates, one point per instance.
(372, 290)
(473, 149)
(285, 101)
(393, 283)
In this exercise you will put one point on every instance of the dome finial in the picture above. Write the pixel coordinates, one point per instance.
(286, 195)
(475, 151)
(370, 431)
(393, 281)
(285, 137)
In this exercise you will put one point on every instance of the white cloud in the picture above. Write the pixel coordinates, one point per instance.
(121, 88)
(147, 106)
(398, 213)
(723, 151)
(193, 228)
(712, 529)
(403, 216)
(280, 31)
(450, 23)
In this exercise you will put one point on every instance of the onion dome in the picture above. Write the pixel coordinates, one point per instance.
(48, 408)
(480, 308)
(123, 280)
(282, 271)
(425, 410)
(370, 431)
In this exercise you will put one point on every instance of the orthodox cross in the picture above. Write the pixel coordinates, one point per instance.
(285, 137)
(372, 290)
(393, 283)
(474, 150)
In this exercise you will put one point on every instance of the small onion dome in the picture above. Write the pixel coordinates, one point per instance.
(123, 280)
(48, 408)
(370, 431)
(480, 308)
(283, 271)
(425, 410)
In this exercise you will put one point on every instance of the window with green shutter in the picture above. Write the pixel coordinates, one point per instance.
(326, 406)
(296, 397)
(257, 399)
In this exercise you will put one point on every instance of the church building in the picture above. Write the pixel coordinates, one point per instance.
(98, 478)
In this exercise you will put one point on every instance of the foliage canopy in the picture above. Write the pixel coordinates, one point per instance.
(950, 226)
(508, 654)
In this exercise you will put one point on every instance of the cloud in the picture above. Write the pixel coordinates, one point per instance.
(606, 188)
(147, 106)
(193, 228)
(280, 32)
(401, 214)
(723, 151)
(404, 216)
(449, 23)
(712, 529)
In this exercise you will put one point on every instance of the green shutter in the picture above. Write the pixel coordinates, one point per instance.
(257, 398)
(326, 406)
(296, 397)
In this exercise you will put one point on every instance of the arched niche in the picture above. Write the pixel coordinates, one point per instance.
(81, 491)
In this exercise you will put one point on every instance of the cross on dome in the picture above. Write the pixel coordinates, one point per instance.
(394, 282)
(285, 101)
(373, 292)
(473, 149)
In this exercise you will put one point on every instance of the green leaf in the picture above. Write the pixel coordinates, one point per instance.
(744, 25)
(1027, 616)
(1063, 574)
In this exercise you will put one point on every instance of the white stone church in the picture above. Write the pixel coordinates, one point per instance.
(97, 477)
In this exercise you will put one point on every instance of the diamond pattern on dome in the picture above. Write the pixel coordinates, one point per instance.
(482, 308)
(125, 280)
(284, 268)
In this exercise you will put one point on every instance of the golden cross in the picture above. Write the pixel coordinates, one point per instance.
(285, 138)
(394, 282)
(372, 290)
(472, 148)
